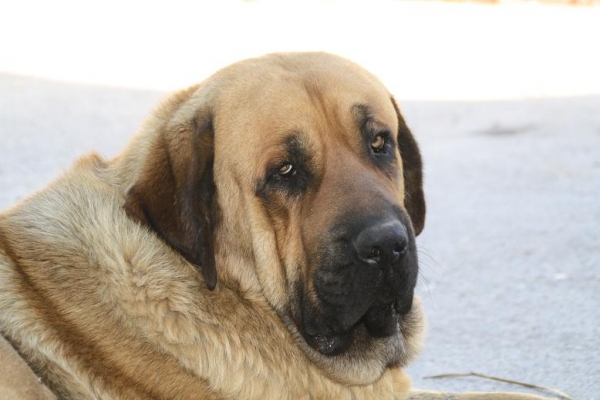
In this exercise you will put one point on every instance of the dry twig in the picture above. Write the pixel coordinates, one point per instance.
(555, 392)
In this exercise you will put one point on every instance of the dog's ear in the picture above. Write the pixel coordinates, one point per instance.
(414, 199)
(175, 192)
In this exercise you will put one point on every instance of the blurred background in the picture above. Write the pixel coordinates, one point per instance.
(503, 96)
(424, 50)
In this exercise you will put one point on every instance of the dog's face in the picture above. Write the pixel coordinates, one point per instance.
(307, 173)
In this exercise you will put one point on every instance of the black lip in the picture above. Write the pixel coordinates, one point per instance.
(380, 321)
(330, 345)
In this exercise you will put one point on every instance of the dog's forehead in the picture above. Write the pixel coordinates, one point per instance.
(268, 99)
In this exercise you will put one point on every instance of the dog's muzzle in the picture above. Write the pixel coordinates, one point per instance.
(366, 277)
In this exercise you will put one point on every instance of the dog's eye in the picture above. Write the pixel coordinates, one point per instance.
(286, 170)
(378, 144)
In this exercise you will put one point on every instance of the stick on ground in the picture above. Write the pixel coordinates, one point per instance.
(555, 392)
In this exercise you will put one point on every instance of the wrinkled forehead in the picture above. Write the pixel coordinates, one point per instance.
(321, 102)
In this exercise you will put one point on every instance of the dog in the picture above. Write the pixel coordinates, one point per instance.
(255, 240)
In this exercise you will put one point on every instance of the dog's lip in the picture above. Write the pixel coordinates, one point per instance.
(382, 320)
(331, 344)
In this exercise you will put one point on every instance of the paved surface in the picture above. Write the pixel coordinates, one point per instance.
(510, 256)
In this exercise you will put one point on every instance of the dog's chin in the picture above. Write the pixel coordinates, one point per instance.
(381, 339)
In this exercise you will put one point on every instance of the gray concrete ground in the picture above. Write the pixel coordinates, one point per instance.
(510, 256)
(511, 251)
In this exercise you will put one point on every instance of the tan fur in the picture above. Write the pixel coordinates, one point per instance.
(104, 293)
(17, 381)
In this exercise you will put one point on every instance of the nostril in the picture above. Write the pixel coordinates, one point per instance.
(400, 248)
(397, 251)
(375, 254)
(395, 256)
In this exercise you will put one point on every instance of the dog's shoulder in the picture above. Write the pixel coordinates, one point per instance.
(57, 207)
(76, 273)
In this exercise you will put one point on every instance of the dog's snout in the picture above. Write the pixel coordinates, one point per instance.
(381, 244)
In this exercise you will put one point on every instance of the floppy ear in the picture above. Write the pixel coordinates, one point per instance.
(175, 192)
(414, 200)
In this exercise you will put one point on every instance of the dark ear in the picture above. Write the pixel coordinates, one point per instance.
(414, 200)
(175, 193)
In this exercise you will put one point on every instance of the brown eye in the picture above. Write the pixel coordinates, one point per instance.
(287, 170)
(378, 143)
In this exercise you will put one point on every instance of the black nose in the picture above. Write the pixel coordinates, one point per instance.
(382, 244)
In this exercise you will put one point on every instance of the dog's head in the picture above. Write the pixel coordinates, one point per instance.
(297, 175)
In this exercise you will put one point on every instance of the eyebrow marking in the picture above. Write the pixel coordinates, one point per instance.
(362, 116)
(296, 148)
(366, 121)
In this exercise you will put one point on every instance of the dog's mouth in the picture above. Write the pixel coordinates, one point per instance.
(380, 321)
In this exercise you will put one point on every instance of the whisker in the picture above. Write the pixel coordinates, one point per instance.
(428, 266)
